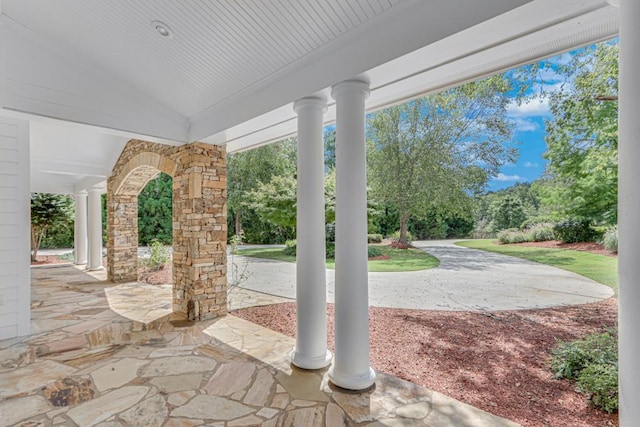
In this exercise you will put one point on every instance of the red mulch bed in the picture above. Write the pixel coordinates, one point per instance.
(48, 259)
(496, 361)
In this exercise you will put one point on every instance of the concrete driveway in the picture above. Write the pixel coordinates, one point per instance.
(467, 279)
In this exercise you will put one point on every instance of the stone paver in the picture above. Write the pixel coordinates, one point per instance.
(176, 376)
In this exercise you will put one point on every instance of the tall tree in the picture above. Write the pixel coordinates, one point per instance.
(47, 210)
(155, 219)
(245, 170)
(582, 137)
(437, 151)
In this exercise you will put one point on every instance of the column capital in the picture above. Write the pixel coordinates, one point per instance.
(310, 102)
(81, 193)
(354, 85)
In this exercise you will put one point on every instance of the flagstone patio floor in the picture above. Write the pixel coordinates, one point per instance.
(108, 355)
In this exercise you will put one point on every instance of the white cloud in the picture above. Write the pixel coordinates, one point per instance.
(503, 177)
(536, 108)
(525, 125)
(530, 164)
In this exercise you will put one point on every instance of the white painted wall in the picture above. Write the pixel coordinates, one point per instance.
(15, 217)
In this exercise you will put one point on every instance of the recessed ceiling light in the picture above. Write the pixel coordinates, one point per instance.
(163, 29)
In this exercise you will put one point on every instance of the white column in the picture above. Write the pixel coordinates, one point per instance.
(311, 288)
(351, 368)
(628, 214)
(80, 228)
(95, 229)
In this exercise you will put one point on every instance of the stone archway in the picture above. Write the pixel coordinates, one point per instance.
(199, 221)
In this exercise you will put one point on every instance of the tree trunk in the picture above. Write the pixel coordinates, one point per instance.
(404, 221)
(238, 227)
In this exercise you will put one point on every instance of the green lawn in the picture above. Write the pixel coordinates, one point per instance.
(400, 259)
(601, 268)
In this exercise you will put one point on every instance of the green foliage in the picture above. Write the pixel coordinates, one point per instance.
(275, 201)
(435, 151)
(373, 251)
(593, 362)
(512, 235)
(502, 209)
(600, 382)
(374, 238)
(158, 255)
(331, 250)
(582, 137)
(543, 219)
(49, 211)
(155, 218)
(395, 237)
(541, 232)
(573, 231)
(234, 241)
(290, 247)
(610, 239)
(507, 212)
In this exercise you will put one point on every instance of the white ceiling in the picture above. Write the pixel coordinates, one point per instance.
(232, 68)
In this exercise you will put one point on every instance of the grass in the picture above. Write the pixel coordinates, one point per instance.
(601, 268)
(399, 259)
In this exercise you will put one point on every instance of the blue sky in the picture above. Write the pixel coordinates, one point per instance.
(528, 119)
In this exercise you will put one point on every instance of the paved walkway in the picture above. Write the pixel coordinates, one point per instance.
(467, 279)
(110, 355)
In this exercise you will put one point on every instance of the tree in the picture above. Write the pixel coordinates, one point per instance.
(582, 137)
(330, 148)
(46, 211)
(436, 151)
(245, 170)
(507, 212)
(155, 218)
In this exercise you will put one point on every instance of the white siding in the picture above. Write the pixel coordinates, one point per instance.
(15, 275)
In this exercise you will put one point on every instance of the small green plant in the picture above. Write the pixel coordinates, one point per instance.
(395, 238)
(290, 248)
(593, 362)
(234, 241)
(331, 250)
(373, 251)
(158, 255)
(573, 231)
(610, 239)
(600, 382)
(374, 238)
(511, 235)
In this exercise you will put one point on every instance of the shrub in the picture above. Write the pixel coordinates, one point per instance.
(600, 381)
(593, 362)
(374, 251)
(573, 231)
(511, 235)
(374, 238)
(544, 219)
(540, 232)
(610, 239)
(395, 237)
(158, 255)
(290, 247)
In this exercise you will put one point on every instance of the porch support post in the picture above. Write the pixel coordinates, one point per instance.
(95, 229)
(351, 368)
(80, 228)
(628, 213)
(310, 351)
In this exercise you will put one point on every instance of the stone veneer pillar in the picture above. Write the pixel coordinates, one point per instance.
(351, 368)
(310, 351)
(199, 221)
(80, 228)
(628, 214)
(94, 220)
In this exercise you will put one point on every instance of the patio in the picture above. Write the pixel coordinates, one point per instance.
(109, 355)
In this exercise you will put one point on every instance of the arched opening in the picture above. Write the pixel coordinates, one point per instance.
(198, 218)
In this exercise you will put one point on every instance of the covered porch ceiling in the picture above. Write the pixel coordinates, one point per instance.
(90, 75)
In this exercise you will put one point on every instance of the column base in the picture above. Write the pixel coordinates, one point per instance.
(311, 363)
(80, 262)
(95, 268)
(352, 382)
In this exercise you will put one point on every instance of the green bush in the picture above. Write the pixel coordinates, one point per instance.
(289, 248)
(373, 251)
(374, 238)
(600, 381)
(395, 237)
(593, 362)
(511, 235)
(543, 219)
(540, 232)
(573, 231)
(610, 239)
(158, 255)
